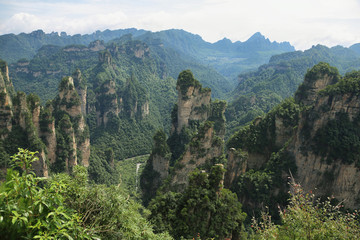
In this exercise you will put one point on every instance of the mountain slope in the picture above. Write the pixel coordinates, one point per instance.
(226, 57)
(15, 47)
(315, 137)
(228, 61)
(259, 91)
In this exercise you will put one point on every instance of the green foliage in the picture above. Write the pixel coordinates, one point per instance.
(259, 91)
(101, 171)
(185, 80)
(33, 101)
(217, 115)
(204, 209)
(134, 95)
(150, 179)
(107, 211)
(308, 218)
(260, 134)
(266, 186)
(67, 207)
(160, 146)
(256, 187)
(338, 139)
(29, 211)
(321, 69)
(177, 143)
(350, 83)
(130, 171)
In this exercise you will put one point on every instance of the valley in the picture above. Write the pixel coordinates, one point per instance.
(162, 135)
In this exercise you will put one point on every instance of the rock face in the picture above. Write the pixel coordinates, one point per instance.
(193, 100)
(322, 142)
(69, 102)
(6, 112)
(113, 101)
(108, 102)
(342, 180)
(58, 131)
(237, 163)
(157, 167)
(202, 149)
(196, 140)
(81, 89)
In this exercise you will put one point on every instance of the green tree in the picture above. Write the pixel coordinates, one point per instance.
(204, 208)
(308, 218)
(31, 212)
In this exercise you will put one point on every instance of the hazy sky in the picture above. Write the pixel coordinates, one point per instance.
(301, 22)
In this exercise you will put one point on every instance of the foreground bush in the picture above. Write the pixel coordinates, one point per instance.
(31, 212)
(66, 207)
(308, 218)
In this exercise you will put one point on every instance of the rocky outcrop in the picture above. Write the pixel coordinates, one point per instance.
(48, 132)
(62, 142)
(96, 46)
(194, 116)
(236, 165)
(105, 57)
(81, 89)
(203, 149)
(320, 76)
(107, 102)
(336, 178)
(157, 167)
(193, 100)
(6, 112)
(70, 102)
(322, 143)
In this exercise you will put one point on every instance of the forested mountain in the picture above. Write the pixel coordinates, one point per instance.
(228, 58)
(313, 136)
(41, 74)
(259, 91)
(15, 47)
(356, 47)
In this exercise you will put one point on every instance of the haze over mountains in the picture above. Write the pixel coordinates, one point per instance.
(225, 56)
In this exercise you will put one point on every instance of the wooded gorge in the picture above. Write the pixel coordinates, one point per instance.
(132, 134)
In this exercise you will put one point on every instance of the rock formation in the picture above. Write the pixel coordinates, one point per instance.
(69, 102)
(58, 131)
(157, 167)
(196, 140)
(193, 100)
(318, 135)
(6, 112)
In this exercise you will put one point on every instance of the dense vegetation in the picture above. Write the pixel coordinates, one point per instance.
(203, 210)
(66, 207)
(259, 91)
(307, 217)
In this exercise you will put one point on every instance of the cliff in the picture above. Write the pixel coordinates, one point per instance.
(157, 167)
(195, 142)
(58, 131)
(203, 151)
(6, 112)
(193, 101)
(315, 137)
(68, 108)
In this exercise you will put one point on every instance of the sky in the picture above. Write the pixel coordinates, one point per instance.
(303, 23)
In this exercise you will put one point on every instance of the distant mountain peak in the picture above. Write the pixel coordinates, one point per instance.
(224, 41)
(256, 36)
